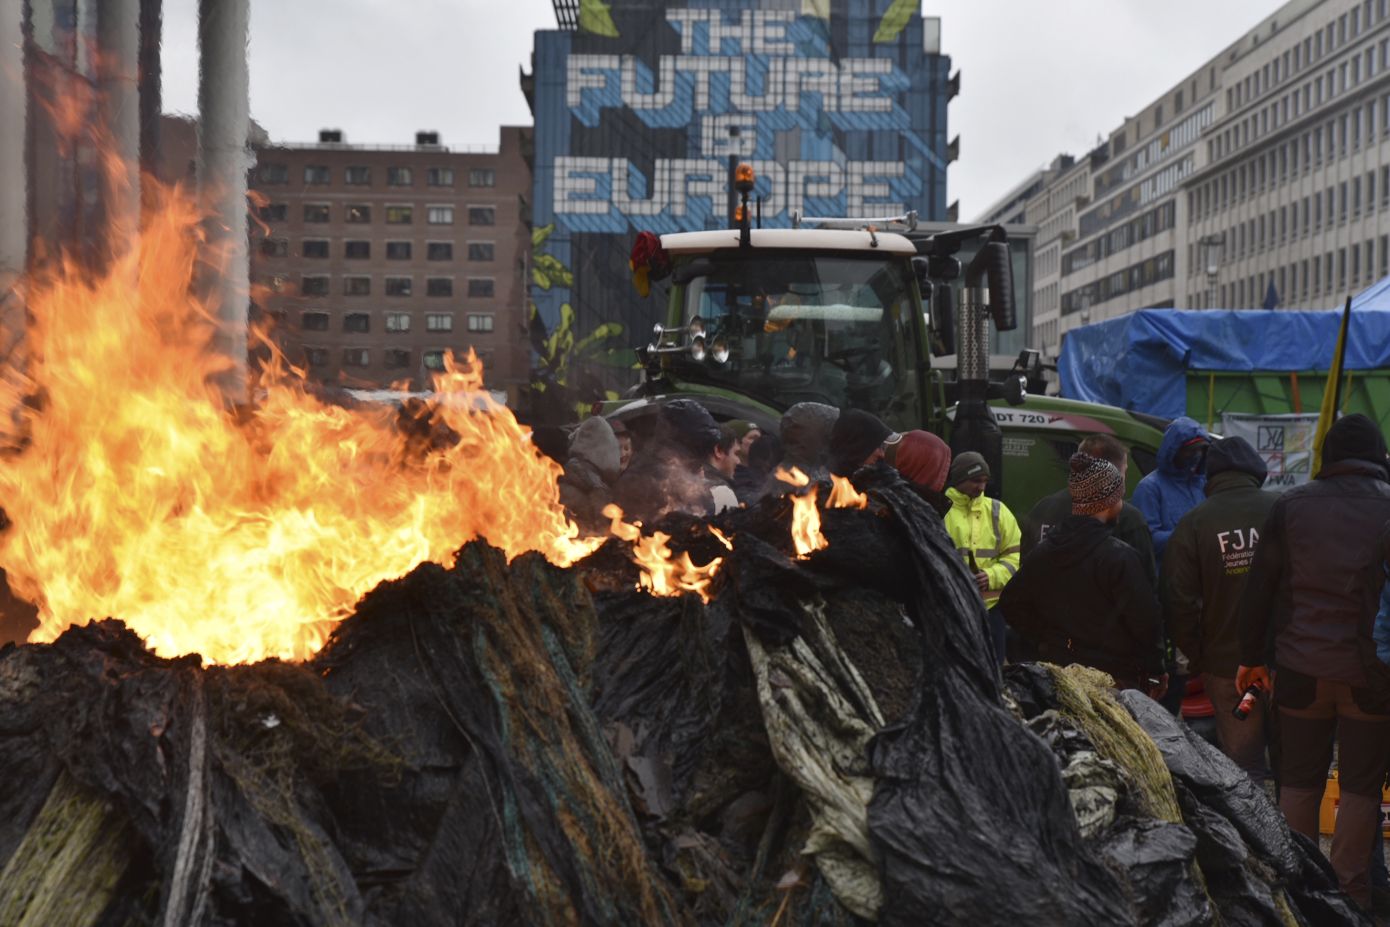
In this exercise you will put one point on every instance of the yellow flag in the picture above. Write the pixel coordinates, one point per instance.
(1332, 389)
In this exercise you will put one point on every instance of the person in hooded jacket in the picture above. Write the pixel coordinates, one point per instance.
(1204, 576)
(986, 534)
(1130, 527)
(667, 472)
(720, 469)
(860, 439)
(924, 460)
(1175, 486)
(591, 469)
(805, 432)
(1313, 588)
(763, 457)
(1082, 596)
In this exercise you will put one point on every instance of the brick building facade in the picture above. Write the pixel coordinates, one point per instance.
(375, 261)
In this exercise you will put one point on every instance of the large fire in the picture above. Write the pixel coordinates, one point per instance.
(134, 492)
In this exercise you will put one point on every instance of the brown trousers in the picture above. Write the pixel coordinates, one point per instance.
(1306, 737)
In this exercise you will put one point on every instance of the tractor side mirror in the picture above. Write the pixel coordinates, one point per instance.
(941, 319)
(999, 277)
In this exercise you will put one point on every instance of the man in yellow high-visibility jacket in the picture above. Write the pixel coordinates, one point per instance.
(986, 534)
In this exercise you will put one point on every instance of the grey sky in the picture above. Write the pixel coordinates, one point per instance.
(1037, 78)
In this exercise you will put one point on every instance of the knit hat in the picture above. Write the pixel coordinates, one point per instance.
(690, 427)
(1094, 484)
(924, 459)
(1353, 437)
(741, 427)
(967, 466)
(1236, 454)
(805, 432)
(856, 435)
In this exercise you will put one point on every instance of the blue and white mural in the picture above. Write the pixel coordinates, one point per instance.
(840, 107)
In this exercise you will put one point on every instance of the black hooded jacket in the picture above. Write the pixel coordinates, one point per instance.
(1082, 596)
(1209, 555)
(1130, 527)
(1309, 581)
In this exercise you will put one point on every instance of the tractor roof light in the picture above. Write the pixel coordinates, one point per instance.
(744, 178)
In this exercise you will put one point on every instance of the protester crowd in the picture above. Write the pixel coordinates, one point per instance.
(1277, 603)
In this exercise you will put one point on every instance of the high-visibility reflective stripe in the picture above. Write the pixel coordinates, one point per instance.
(986, 552)
(1013, 550)
(1013, 571)
(994, 520)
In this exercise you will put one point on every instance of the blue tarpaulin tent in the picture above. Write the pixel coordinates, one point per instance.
(1140, 361)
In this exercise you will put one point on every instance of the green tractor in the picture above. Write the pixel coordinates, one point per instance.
(760, 319)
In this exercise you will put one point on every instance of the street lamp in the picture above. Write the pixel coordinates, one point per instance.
(1212, 248)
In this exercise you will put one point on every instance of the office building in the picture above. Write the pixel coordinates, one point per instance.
(1261, 178)
(376, 261)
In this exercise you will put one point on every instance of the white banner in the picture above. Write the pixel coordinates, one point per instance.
(1284, 441)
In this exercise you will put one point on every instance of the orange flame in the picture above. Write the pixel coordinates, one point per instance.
(661, 572)
(843, 495)
(133, 492)
(806, 534)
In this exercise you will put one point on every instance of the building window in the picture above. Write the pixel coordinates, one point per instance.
(358, 175)
(357, 286)
(273, 172)
(480, 251)
(357, 250)
(482, 177)
(313, 321)
(399, 215)
(357, 357)
(480, 322)
(359, 213)
(275, 247)
(439, 250)
(396, 358)
(313, 286)
(398, 321)
(482, 215)
(315, 213)
(480, 287)
(440, 176)
(434, 360)
(398, 286)
(439, 286)
(357, 322)
(317, 174)
(399, 177)
(398, 251)
(314, 247)
(274, 212)
(440, 215)
(316, 357)
(439, 322)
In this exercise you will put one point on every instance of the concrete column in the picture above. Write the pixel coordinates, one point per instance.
(117, 69)
(151, 97)
(224, 105)
(14, 177)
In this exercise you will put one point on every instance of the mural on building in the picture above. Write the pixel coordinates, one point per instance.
(640, 113)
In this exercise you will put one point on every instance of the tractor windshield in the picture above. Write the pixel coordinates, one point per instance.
(831, 327)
